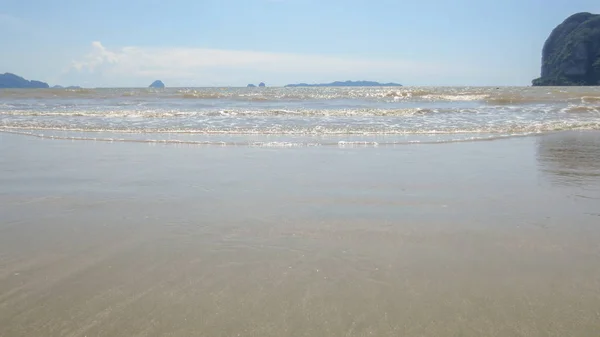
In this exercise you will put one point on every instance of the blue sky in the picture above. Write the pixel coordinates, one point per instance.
(235, 42)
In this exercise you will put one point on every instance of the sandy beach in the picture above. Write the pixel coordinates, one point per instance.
(491, 238)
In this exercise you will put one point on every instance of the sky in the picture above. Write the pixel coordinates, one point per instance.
(130, 43)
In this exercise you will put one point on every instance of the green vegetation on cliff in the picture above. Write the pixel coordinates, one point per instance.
(571, 55)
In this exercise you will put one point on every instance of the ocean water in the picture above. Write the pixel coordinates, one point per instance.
(190, 216)
(299, 116)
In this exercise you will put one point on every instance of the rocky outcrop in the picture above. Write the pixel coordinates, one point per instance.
(158, 84)
(262, 85)
(571, 55)
(9, 80)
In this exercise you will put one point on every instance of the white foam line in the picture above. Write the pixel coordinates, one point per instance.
(587, 126)
(341, 144)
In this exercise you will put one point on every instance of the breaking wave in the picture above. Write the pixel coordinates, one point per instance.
(315, 142)
(349, 129)
(442, 113)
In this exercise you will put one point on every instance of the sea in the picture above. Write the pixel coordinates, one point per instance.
(291, 117)
(287, 212)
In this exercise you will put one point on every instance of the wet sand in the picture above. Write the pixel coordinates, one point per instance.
(492, 238)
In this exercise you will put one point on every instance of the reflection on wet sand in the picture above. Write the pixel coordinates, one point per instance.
(570, 157)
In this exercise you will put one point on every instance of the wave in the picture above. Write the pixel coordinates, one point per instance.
(148, 113)
(96, 114)
(582, 109)
(140, 111)
(490, 95)
(268, 144)
(454, 98)
(79, 91)
(194, 94)
(519, 99)
(533, 97)
(590, 99)
(266, 95)
(324, 130)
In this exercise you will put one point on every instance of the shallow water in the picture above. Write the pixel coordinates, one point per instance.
(494, 238)
(300, 212)
(299, 116)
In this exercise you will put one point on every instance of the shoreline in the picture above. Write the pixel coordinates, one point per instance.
(277, 139)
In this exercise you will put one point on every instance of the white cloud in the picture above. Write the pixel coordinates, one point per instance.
(202, 66)
(98, 57)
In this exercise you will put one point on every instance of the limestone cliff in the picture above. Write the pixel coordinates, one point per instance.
(571, 55)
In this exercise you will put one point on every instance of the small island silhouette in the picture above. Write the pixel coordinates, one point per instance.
(9, 80)
(158, 84)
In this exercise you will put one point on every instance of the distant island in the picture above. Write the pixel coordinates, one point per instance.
(8, 80)
(346, 84)
(262, 85)
(571, 54)
(250, 86)
(158, 84)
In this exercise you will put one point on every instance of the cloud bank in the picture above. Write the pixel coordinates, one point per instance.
(135, 65)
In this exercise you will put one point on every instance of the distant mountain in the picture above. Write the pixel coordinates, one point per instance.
(8, 80)
(250, 86)
(261, 85)
(346, 84)
(158, 84)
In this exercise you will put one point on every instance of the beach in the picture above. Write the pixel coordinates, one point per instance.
(473, 238)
